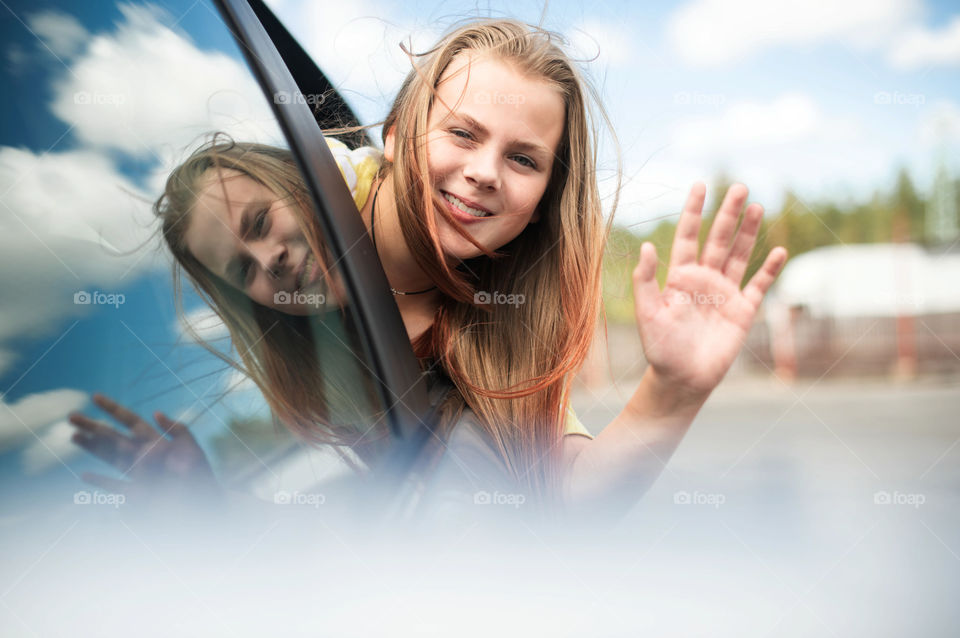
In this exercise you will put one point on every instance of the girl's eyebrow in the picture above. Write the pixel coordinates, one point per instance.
(525, 145)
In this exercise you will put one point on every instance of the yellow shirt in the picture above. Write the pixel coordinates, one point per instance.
(574, 426)
(359, 167)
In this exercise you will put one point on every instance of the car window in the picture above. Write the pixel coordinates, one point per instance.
(102, 102)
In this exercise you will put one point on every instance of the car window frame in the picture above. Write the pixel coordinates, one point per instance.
(400, 384)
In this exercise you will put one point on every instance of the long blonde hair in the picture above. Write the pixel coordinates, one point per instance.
(511, 364)
(278, 351)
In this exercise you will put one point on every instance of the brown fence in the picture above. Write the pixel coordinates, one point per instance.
(927, 344)
(861, 346)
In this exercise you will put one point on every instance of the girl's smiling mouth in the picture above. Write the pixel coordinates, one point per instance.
(308, 272)
(465, 211)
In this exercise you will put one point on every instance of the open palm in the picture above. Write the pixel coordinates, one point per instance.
(166, 462)
(693, 329)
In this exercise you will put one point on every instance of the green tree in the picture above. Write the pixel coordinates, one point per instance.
(908, 209)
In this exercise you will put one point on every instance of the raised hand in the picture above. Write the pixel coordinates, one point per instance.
(154, 464)
(693, 329)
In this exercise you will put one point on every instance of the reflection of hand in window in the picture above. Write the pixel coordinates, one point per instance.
(174, 466)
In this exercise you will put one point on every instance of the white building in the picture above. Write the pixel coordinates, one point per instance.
(870, 280)
(865, 309)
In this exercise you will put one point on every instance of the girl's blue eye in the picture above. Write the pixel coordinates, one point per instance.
(520, 159)
(526, 161)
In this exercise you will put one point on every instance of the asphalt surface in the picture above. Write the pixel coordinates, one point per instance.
(819, 508)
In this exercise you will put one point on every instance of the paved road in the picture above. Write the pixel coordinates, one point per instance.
(817, 509)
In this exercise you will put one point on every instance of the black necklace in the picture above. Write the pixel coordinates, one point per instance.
(373, 238)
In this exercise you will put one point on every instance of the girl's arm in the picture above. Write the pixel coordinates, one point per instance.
(691, 332)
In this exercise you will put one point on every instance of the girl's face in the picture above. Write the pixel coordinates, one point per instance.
(491, 140)
(241, 231)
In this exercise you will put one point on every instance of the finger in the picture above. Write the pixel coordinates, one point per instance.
(170, 427)
(106, 483)
(761, 281)
(130, 419)
(686, 241)
(110, 449)
(646, 290)
(743, 243)
(91, 426)
(717, 246)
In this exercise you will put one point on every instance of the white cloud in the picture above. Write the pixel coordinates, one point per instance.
(940, 124)
(745, 125)
(611, 43)
(77, 195)
(52, 448)
(211, 329)
(654, 190)
(30, 415)
(920, 47)
(709, 33)
(62, 213)
(149, 92)
(236, 381)
(787, 142)
(61, 33)
(357, 45)
(204, 322)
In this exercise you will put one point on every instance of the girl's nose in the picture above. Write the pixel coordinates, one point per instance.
(482, 170)
(272, 258)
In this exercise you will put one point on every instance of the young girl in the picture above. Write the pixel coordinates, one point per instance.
(486, 217)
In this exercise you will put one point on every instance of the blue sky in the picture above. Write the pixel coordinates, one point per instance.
(827, 100)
